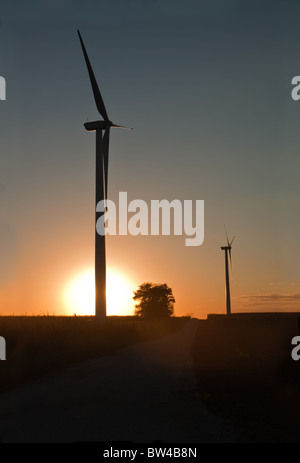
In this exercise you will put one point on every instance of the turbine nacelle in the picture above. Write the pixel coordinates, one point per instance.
(101, 125)
(98, 125)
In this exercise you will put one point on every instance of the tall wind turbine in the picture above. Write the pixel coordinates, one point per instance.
(227, 250)
(102, 150)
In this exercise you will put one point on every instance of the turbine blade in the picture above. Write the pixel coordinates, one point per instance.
(230, 263)
(121, 126)
(96, 91)
(226, 235)
(105, 158)
(232, 241)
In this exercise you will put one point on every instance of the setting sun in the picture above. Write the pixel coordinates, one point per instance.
(79, 293)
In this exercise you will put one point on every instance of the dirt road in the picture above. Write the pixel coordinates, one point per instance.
(145, 393)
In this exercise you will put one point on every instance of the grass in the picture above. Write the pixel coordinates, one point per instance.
(245, 374)
(39, 346)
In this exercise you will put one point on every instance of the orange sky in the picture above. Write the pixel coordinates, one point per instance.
(196, 274)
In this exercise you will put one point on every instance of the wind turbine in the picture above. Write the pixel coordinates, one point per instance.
(102, 150)
(227, 250)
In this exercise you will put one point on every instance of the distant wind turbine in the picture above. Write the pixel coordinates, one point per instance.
(227, 250)
(102, 150)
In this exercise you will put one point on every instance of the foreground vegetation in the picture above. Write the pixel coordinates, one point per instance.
(39, 346)
(245, 374)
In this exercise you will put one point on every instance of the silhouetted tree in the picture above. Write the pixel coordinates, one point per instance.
(155, 301)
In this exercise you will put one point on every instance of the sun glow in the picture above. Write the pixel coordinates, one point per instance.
(79, 293)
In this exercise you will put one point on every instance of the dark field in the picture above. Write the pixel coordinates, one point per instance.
(245, 374)
(40, 346)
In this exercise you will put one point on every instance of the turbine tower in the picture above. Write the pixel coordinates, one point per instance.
(102, 150)
(227, 250)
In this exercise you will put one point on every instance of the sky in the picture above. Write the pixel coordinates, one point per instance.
(206, 87)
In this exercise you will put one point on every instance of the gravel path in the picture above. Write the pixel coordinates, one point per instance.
(145, 393)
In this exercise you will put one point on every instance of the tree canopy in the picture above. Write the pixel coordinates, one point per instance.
(154, 301)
